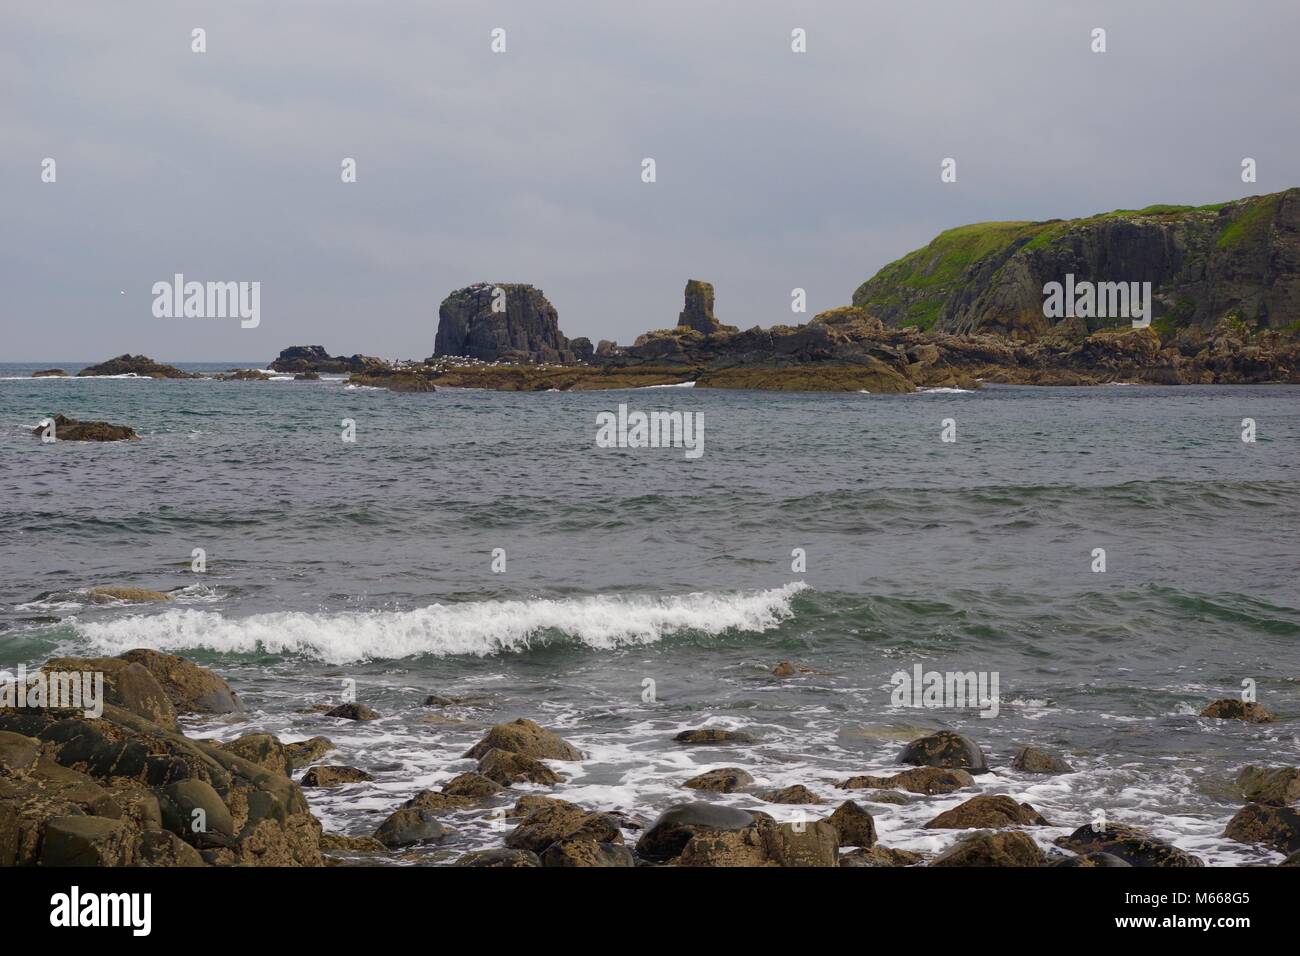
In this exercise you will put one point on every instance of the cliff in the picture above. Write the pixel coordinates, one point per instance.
(1204, 263)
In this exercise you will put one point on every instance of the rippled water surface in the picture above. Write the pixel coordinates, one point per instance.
(371, 561)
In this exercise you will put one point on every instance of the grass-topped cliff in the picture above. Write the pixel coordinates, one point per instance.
(1204, 262)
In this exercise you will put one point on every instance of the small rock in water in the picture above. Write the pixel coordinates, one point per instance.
(69, 429)
(714, 735)
(1033, 760)
(789, 669)
(409, 826)
(1229, 708)
(796, 794)
(1135, 847)
(1274, 827)
(987, 812)
(722, 780)
(1011, 848)
(352, 712)
(945, 749)
(526, 738)
(855, 825)
(327, 776)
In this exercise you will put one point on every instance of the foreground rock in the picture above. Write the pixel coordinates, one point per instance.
(192, 689)
(945, 749)
(1277, 786)
(506, 768)
(1275, 827)
(504, 857)
(1135, 847)
(669, 834)
(927, 780)
(265, 750)
(722, 780)
(880, 856)
(126, 685)
(122, 791)
(703, 834)
(1033, 760)
(1229, 708)
(70, 429)
(988, 812)
(1092, 860)
(1012, 848)
(135, 365)
(855, 826)
(411, 826)
(526, 738)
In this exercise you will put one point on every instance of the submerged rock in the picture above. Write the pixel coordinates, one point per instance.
(137, 595)
(1229, 708)
(70, 429)
(1033, 760)
(1133, 846)
(945, 749)
(714, 735)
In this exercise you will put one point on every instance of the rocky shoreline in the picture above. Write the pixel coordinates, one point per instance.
(130, 788)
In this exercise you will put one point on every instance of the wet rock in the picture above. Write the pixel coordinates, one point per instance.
(164, 848)
(580, 851)
(192, 689)
(797, 794)
(1230, 708)
(410, 826)
(1133, 846)
(18, 752)
(524, 326)
(437, 801)
(722, 780)
(550, 824)
(764, 843)
(790, 669)
(328, 776)
(1033, 760)
(126, 685)
(302, 753)
(855, 826)
(471, 785)
(87, 841)
(526, 738)
(135, 365)
(352, 712)
(504, 857)
(195, 812)
(926, 780)
(1092, 860)
(1277, 786)
(1011, 848)
(987, 812)
(1274, 827)
(713, 735)
(675, 827)
(339, 843)
(49, 373)
(265, 750)
(506, 768)
(103, 595)
(945, 749)
(532, 801)
(880, 856)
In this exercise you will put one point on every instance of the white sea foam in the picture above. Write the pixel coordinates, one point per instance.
(670, 385)
(943, 391)
(478, 628)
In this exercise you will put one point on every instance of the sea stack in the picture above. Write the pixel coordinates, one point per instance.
(500, 321)
(698, 313)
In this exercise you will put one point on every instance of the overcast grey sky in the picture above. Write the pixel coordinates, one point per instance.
(775, 169)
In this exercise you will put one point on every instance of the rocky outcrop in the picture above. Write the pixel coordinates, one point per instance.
(501, 322)
(135, 365)
(698, 311)
(190, 688)
(69, 429)
(1237, 258)
(1230, 708)
(988, 811)
(526, 738)
(314, 358)
(49, 373)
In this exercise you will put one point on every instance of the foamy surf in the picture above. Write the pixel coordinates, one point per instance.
(479, 629)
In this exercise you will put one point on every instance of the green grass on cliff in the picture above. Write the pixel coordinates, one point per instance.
(1251, 222)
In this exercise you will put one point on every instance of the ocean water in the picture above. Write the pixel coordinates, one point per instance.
(636, 569)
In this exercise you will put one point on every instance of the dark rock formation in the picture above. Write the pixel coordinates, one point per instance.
(1135, 847)
(352, 712)
(49, 373)
(1237, 258)
(698, 313)
(314, 358)
(526, 330)
(135, 365)
(327, 776)
(945, 749)
(69, 429)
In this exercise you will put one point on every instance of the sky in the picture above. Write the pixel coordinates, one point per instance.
(775, 170)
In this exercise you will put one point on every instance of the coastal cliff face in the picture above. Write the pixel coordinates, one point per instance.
(1205, 263)
(524, 327)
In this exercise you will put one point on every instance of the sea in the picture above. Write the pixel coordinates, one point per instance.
(1117, 556)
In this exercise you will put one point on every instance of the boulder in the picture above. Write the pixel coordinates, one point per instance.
(87, 841)
(722, 780)
(855, 826)
(880, 856)
(195, 812)
(550, 824)
(987, 812)
(526, 738)
(327, 776)
(410, 826)
(506, 768)
(192, 689)
(437, 801)
(796, 794)
(764, 843)
(714, 735)
(1229, 708)
(945, 749)
(352, 712)
(1092, 860)
(1033, 760)
(669, 834)
(1011, 848)
(580, 851)
(126, 685)
(70, 429)
(1133, 846)
(1275, 827)
(301, 753)
(927, 780)
(1277, 786)
(472, 785)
